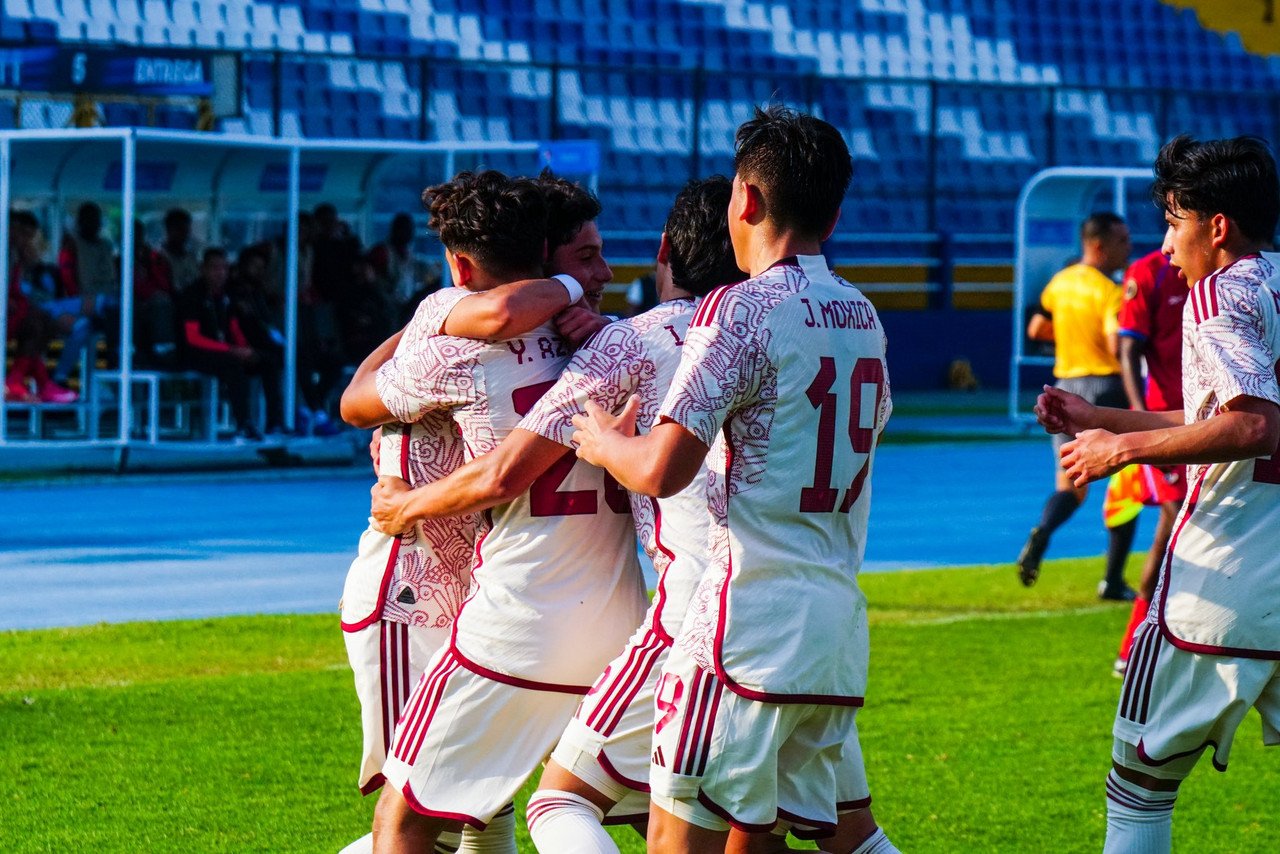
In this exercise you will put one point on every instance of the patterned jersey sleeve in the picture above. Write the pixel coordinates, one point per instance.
(439, 374)
(607, 369)
(1231, 339)
(430, 316)
(721, 364)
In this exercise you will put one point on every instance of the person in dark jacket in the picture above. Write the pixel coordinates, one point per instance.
(213, 342)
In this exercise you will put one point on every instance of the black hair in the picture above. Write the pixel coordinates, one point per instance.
(1098, 225)
(698, 230)
(570, 206)
(175, 216)
(25, 218)
(801, 165)
(212, 252)
(1233, 177)
(500, 222)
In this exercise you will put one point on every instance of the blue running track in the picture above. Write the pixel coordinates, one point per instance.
(190, 546)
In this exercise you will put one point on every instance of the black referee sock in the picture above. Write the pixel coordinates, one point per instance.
(1057, 510)
(1119, 543)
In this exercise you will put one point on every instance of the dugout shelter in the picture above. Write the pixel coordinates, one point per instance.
(1051, 207)
(231, 178)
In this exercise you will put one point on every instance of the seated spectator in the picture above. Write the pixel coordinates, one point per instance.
(154, 333)
(402, 276)
(251, 302)
(178, 251)
(320, 355)
(365, 313)
(91, 286)
(32, 286)
(214, 343)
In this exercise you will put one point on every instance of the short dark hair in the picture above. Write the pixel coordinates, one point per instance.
(175, 216)
(1233, 177)
(211, 253)
(800, 163)
(1098, 225)
(570, 206)
(698, 230)
(499, 221)
(24, 218)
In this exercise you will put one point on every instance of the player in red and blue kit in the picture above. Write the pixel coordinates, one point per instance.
(1155, 292)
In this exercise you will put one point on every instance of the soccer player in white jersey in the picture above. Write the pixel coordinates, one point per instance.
(783, 378)
(556, 588)
(1210, 648)
(403, 592)
(602, 759)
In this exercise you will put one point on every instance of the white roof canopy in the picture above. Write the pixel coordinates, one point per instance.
(148, 168)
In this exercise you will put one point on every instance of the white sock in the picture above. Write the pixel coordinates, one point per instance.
(565, 823)
(876, 843)
(498, 837)
(1139, 821)
(363, 845)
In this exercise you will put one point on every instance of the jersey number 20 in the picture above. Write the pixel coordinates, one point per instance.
(545, 497)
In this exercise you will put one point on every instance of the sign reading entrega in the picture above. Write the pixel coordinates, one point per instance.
(119, 71)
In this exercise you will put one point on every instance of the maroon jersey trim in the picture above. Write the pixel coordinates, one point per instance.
(718, 654)
(376, 614)
(1185, 645)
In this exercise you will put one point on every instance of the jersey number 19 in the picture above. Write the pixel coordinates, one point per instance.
(821, 497)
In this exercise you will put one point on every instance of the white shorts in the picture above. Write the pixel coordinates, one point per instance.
(607, 743)
(721, 760)
(466, 743)
(387, 659)
(1176, 703)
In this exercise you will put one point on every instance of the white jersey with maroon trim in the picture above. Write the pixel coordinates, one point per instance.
(783, 377)
(556, 587)
(1220, 589)
(639, 356)
(420, 577)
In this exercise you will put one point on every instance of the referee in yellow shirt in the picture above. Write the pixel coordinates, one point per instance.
(1078, 312)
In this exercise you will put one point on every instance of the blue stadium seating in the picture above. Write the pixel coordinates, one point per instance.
(949, 105)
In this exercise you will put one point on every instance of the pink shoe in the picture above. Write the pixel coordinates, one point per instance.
(17, 392)
(51, 392)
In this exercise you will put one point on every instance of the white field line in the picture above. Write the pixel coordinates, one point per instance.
(981, 616)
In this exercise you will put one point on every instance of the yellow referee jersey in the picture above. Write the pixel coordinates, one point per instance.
(1084, 305)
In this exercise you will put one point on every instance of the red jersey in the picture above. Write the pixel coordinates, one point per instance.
(1154, 293)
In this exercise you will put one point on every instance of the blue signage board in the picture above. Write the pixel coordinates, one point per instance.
(119, 71)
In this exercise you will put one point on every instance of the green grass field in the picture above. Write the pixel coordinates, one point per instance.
(986, 729)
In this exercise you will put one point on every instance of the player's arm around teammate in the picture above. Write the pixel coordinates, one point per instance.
(497, 314)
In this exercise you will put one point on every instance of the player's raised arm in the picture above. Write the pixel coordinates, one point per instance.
(360, 405)
(512, 309)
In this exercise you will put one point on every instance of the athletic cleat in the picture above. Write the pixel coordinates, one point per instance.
(1118, 669)
(1124, 594)
(1030, 556)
